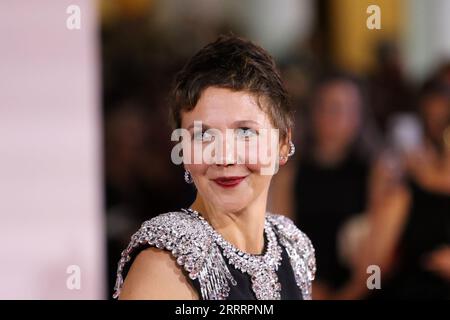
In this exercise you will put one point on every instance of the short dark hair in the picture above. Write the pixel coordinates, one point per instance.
(435, 86)
(237, 64)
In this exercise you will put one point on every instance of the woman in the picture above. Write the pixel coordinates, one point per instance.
(225, 246)
(409, 233)
(417, 259)
(329, 184)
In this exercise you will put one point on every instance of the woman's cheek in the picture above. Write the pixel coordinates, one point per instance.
(197, 170)
(265, 166)
(254, 168)
(260, 156)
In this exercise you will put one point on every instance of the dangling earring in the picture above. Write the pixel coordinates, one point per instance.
(291, 149)
(188, 177)
(290, 153)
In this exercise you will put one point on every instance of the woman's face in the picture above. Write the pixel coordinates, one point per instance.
(436, 114)
(230, 179)
(336, 115)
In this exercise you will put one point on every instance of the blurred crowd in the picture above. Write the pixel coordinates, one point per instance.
(369, 184)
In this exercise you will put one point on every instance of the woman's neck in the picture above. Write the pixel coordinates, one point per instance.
(244, 228)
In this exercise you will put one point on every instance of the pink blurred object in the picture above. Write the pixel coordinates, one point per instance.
(50, 152)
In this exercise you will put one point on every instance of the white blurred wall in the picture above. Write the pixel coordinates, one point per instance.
(50, 193)
(427, 36)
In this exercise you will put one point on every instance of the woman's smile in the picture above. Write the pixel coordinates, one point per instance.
(230, 181)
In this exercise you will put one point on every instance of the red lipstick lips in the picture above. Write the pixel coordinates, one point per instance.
(229, 182)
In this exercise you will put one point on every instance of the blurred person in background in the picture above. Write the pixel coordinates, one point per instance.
(328, 186)
(443, 72)
(417, 256)
(389, 90)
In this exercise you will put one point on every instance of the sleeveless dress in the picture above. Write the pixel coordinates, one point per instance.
(220, 271)
(427, 229)
(326, 198)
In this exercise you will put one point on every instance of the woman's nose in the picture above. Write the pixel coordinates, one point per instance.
(224, 151)
(226, 155)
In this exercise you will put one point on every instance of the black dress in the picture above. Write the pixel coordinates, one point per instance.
(325, 199)
(284, 270)
(427, 229)
(243, 289)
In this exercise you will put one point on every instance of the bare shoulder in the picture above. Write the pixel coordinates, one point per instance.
(155, 275)
(161, 257)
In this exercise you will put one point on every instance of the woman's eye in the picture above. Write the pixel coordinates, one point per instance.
(203, 136)
(245, 133)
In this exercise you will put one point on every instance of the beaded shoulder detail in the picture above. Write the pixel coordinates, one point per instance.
(300, 250)
(190, 243)
(194, 247)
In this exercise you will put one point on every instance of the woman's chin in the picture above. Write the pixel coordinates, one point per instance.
(231, 206)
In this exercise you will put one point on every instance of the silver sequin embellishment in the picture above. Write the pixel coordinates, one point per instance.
(261, 268)
(192, 242)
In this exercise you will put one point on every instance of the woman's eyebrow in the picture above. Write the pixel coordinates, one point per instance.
(246, 122)
(203, 126)
(236, 124)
